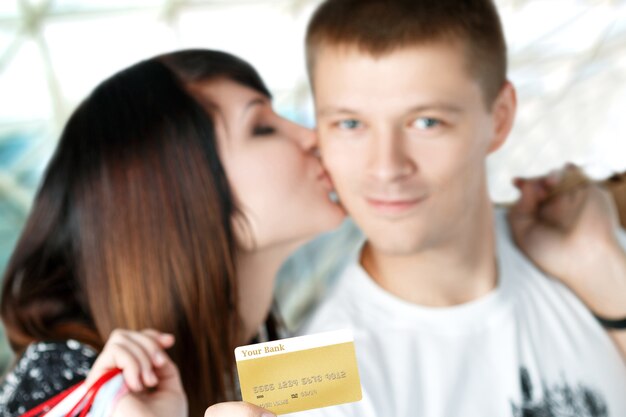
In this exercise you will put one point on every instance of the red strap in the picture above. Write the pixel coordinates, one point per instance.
(90, 395)
(51, 402)
(92, 392)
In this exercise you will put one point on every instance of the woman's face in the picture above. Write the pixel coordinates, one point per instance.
(278, 181)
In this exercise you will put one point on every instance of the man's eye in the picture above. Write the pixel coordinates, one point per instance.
(349, 124)
(263, 130)
(425, 123)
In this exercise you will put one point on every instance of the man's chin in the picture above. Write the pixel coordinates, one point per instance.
(387, 246)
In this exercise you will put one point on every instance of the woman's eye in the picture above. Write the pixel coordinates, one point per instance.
(425, 123)
(349, 124)
(263, 130)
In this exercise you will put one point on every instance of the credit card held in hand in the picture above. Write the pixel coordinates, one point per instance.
(300, 373)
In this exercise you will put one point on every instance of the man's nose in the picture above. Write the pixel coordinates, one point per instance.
(389, 159)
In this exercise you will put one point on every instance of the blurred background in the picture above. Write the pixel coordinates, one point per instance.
(567, 59)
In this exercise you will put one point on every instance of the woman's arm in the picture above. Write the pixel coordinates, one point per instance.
(573, 236)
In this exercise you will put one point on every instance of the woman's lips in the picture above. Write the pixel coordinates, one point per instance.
(393, 206)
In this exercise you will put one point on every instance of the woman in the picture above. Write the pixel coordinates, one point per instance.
(174, 195)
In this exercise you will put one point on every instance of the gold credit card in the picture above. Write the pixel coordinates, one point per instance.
(300, 373)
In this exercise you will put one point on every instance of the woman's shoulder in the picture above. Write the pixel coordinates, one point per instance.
(44, 370)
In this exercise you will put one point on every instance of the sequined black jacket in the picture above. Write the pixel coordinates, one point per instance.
(44, 370)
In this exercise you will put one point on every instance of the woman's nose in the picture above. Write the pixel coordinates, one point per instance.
(306, 138)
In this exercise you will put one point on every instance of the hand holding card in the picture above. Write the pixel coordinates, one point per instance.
(300, 373)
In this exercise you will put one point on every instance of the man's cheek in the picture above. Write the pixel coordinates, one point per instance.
(335, 168)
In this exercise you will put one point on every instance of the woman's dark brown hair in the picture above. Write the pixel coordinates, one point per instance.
(131, 225)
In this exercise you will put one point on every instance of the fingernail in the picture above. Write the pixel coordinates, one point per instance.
(151, 379)
(159, 359)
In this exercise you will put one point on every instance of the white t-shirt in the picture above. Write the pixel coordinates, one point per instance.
(529, 348)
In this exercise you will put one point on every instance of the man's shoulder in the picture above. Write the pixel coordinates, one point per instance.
(42, 371)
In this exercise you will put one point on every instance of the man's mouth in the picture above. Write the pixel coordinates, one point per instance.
(393, 206)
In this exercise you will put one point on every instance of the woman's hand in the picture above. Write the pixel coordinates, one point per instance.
(572, 235)
(153, 380)
(236, 409)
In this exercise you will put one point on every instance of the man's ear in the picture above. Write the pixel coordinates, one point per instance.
(504, 108)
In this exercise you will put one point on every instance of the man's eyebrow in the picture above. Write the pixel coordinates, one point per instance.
(445, 107)
(326, 111)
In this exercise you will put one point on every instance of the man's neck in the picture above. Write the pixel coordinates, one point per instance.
(460, 270)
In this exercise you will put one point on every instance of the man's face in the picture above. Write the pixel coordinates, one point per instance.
(405, 138)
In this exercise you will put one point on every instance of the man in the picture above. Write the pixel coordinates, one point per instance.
(450, 317)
